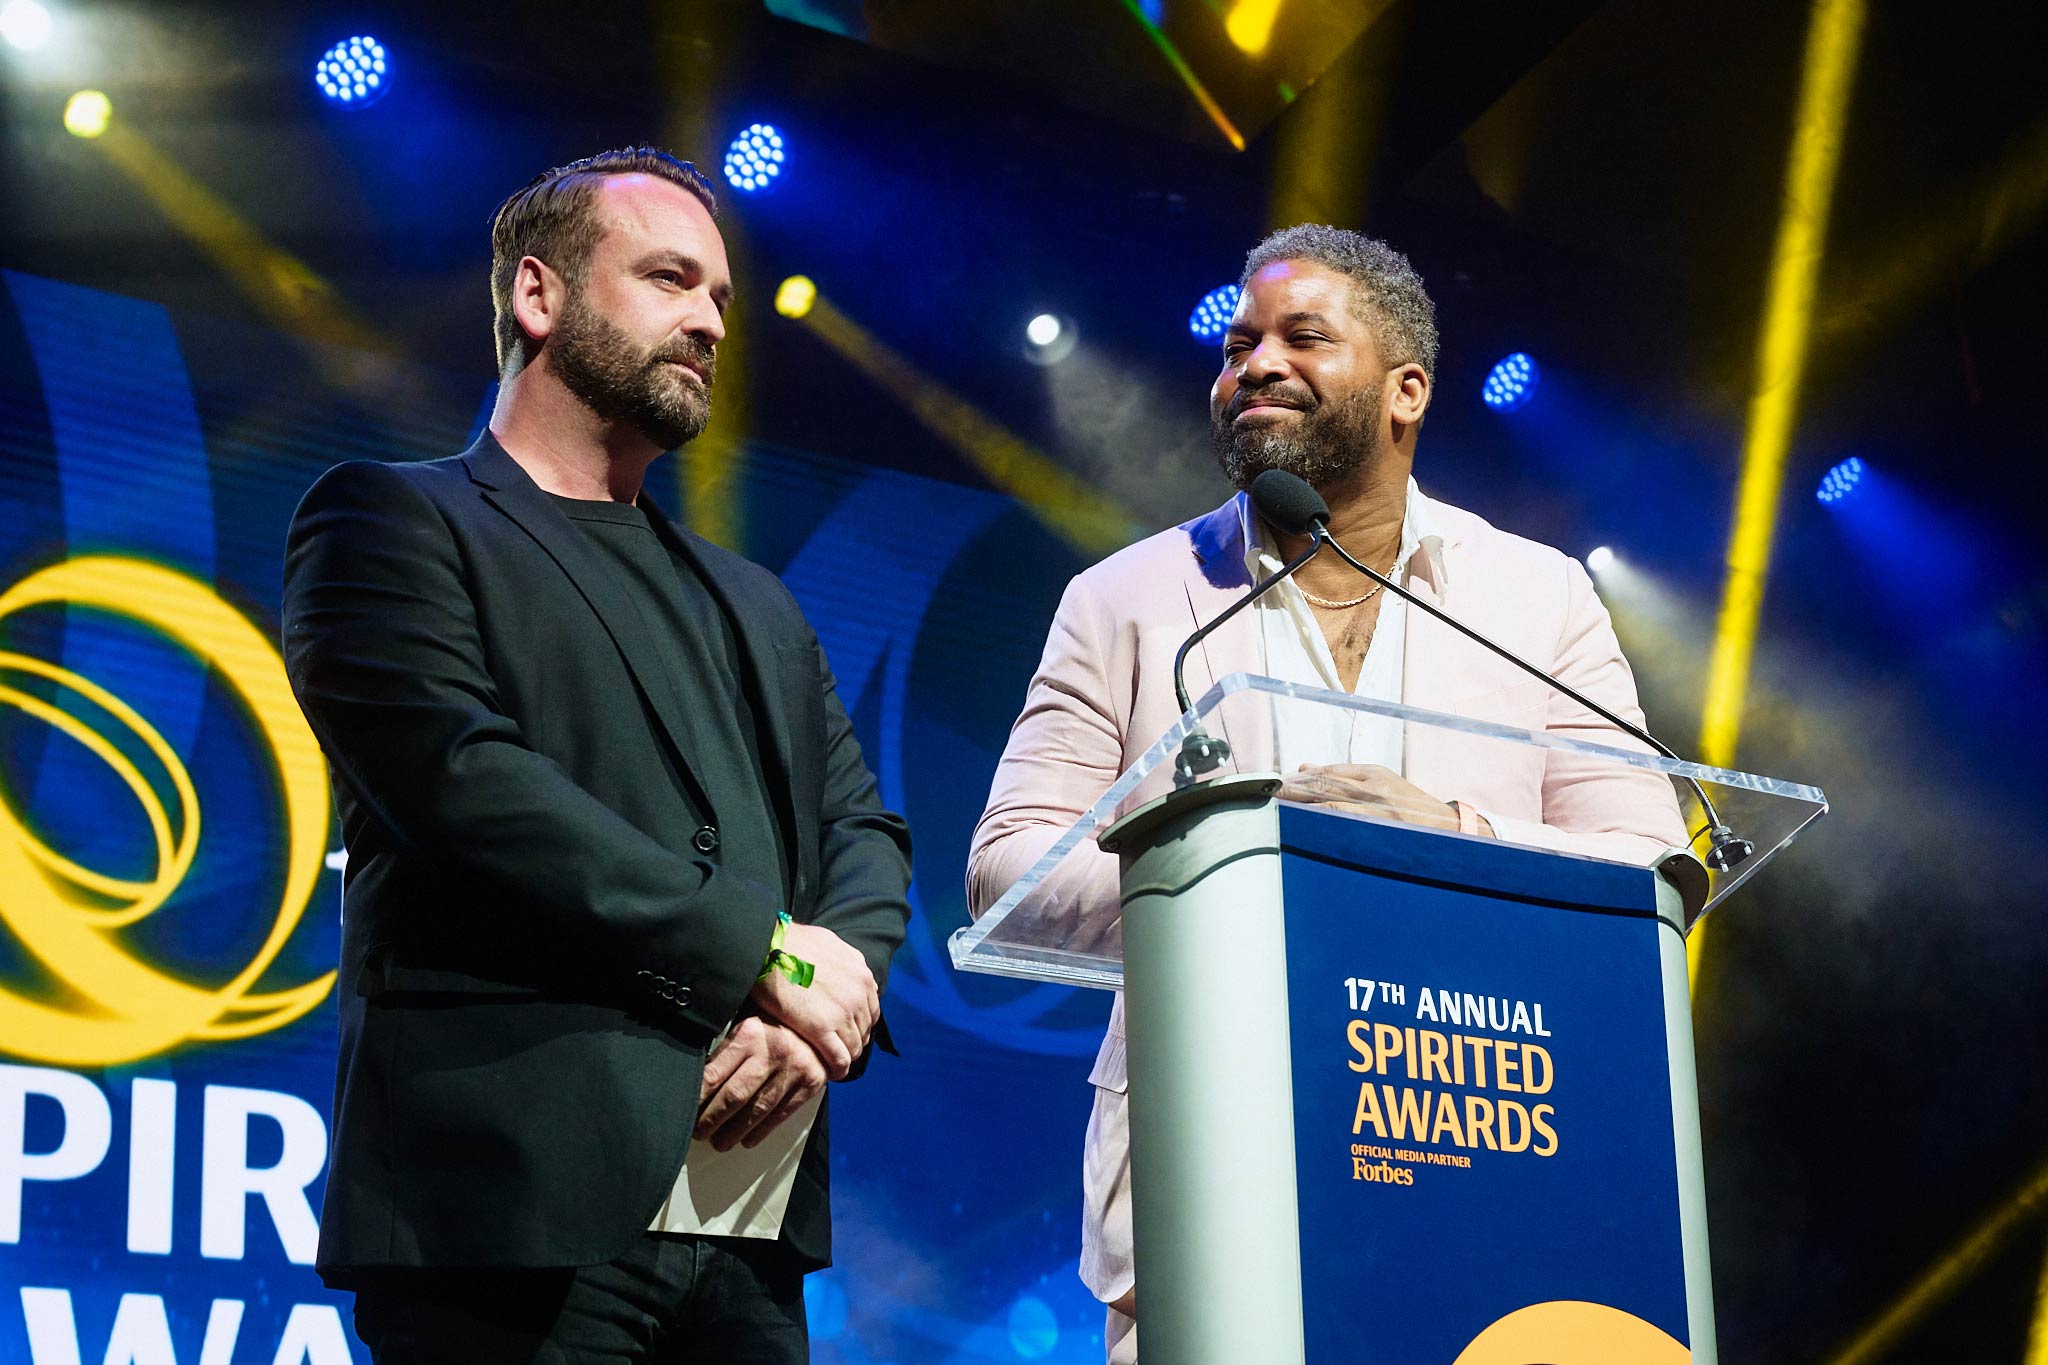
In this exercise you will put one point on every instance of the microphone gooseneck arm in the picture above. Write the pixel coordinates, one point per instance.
(1725, 847)
(1180, 687)
(1200, 752)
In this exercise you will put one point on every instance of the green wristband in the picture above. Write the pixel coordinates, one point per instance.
(798, 971)
(795, 968)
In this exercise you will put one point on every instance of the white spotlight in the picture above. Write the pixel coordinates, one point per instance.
(1599, 559)
(24, 24)
(1049, 338)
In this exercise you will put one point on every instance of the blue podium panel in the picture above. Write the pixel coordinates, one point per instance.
(1482, 1096)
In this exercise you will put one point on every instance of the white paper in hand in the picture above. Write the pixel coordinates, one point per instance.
(740, 1193)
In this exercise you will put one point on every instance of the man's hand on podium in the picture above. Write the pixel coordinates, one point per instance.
(1370, 789)
(837, 1011)
(760, 1075)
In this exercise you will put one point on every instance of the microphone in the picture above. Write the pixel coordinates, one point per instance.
(1289, 503)
(1725, 848)
(1291, 506)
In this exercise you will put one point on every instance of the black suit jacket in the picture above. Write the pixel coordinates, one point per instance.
(533, 964)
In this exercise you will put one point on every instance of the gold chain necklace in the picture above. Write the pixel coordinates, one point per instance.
(1360, 601)
(1328, 605)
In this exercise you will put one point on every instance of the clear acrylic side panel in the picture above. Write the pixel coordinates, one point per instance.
(1062, 919)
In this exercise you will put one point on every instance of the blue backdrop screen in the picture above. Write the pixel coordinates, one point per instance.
(169, 884)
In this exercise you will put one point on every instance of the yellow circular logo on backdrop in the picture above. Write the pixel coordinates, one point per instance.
(109, 1006)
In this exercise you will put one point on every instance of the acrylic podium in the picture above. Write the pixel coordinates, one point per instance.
(1397, 1095)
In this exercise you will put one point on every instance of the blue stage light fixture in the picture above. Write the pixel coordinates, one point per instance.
(354, 72)
(1211, 317)
(1510, 384)
(755, 158)
(1841, 481)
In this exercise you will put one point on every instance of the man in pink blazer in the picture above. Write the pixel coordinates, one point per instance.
(1326, 372)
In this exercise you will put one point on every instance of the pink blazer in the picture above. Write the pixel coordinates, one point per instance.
(1103, 693)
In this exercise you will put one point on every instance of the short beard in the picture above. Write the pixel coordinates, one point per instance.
(1332, 441)
(628, 386)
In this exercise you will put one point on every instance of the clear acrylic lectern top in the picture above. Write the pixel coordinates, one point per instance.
(1061, 920)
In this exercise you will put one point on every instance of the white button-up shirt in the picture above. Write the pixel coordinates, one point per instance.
(1294, 650)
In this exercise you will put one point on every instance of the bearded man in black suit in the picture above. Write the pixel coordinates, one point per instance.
(618, 876)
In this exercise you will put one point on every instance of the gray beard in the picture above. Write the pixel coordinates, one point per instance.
(629, 386)
(1331, 442)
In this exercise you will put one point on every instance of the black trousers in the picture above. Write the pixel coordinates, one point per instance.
(670, 1300)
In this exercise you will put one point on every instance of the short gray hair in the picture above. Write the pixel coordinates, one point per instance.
(1390, 299)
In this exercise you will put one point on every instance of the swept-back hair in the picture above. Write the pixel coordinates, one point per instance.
(551, 220)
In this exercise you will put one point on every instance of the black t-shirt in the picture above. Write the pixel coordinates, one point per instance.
(707, 676)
